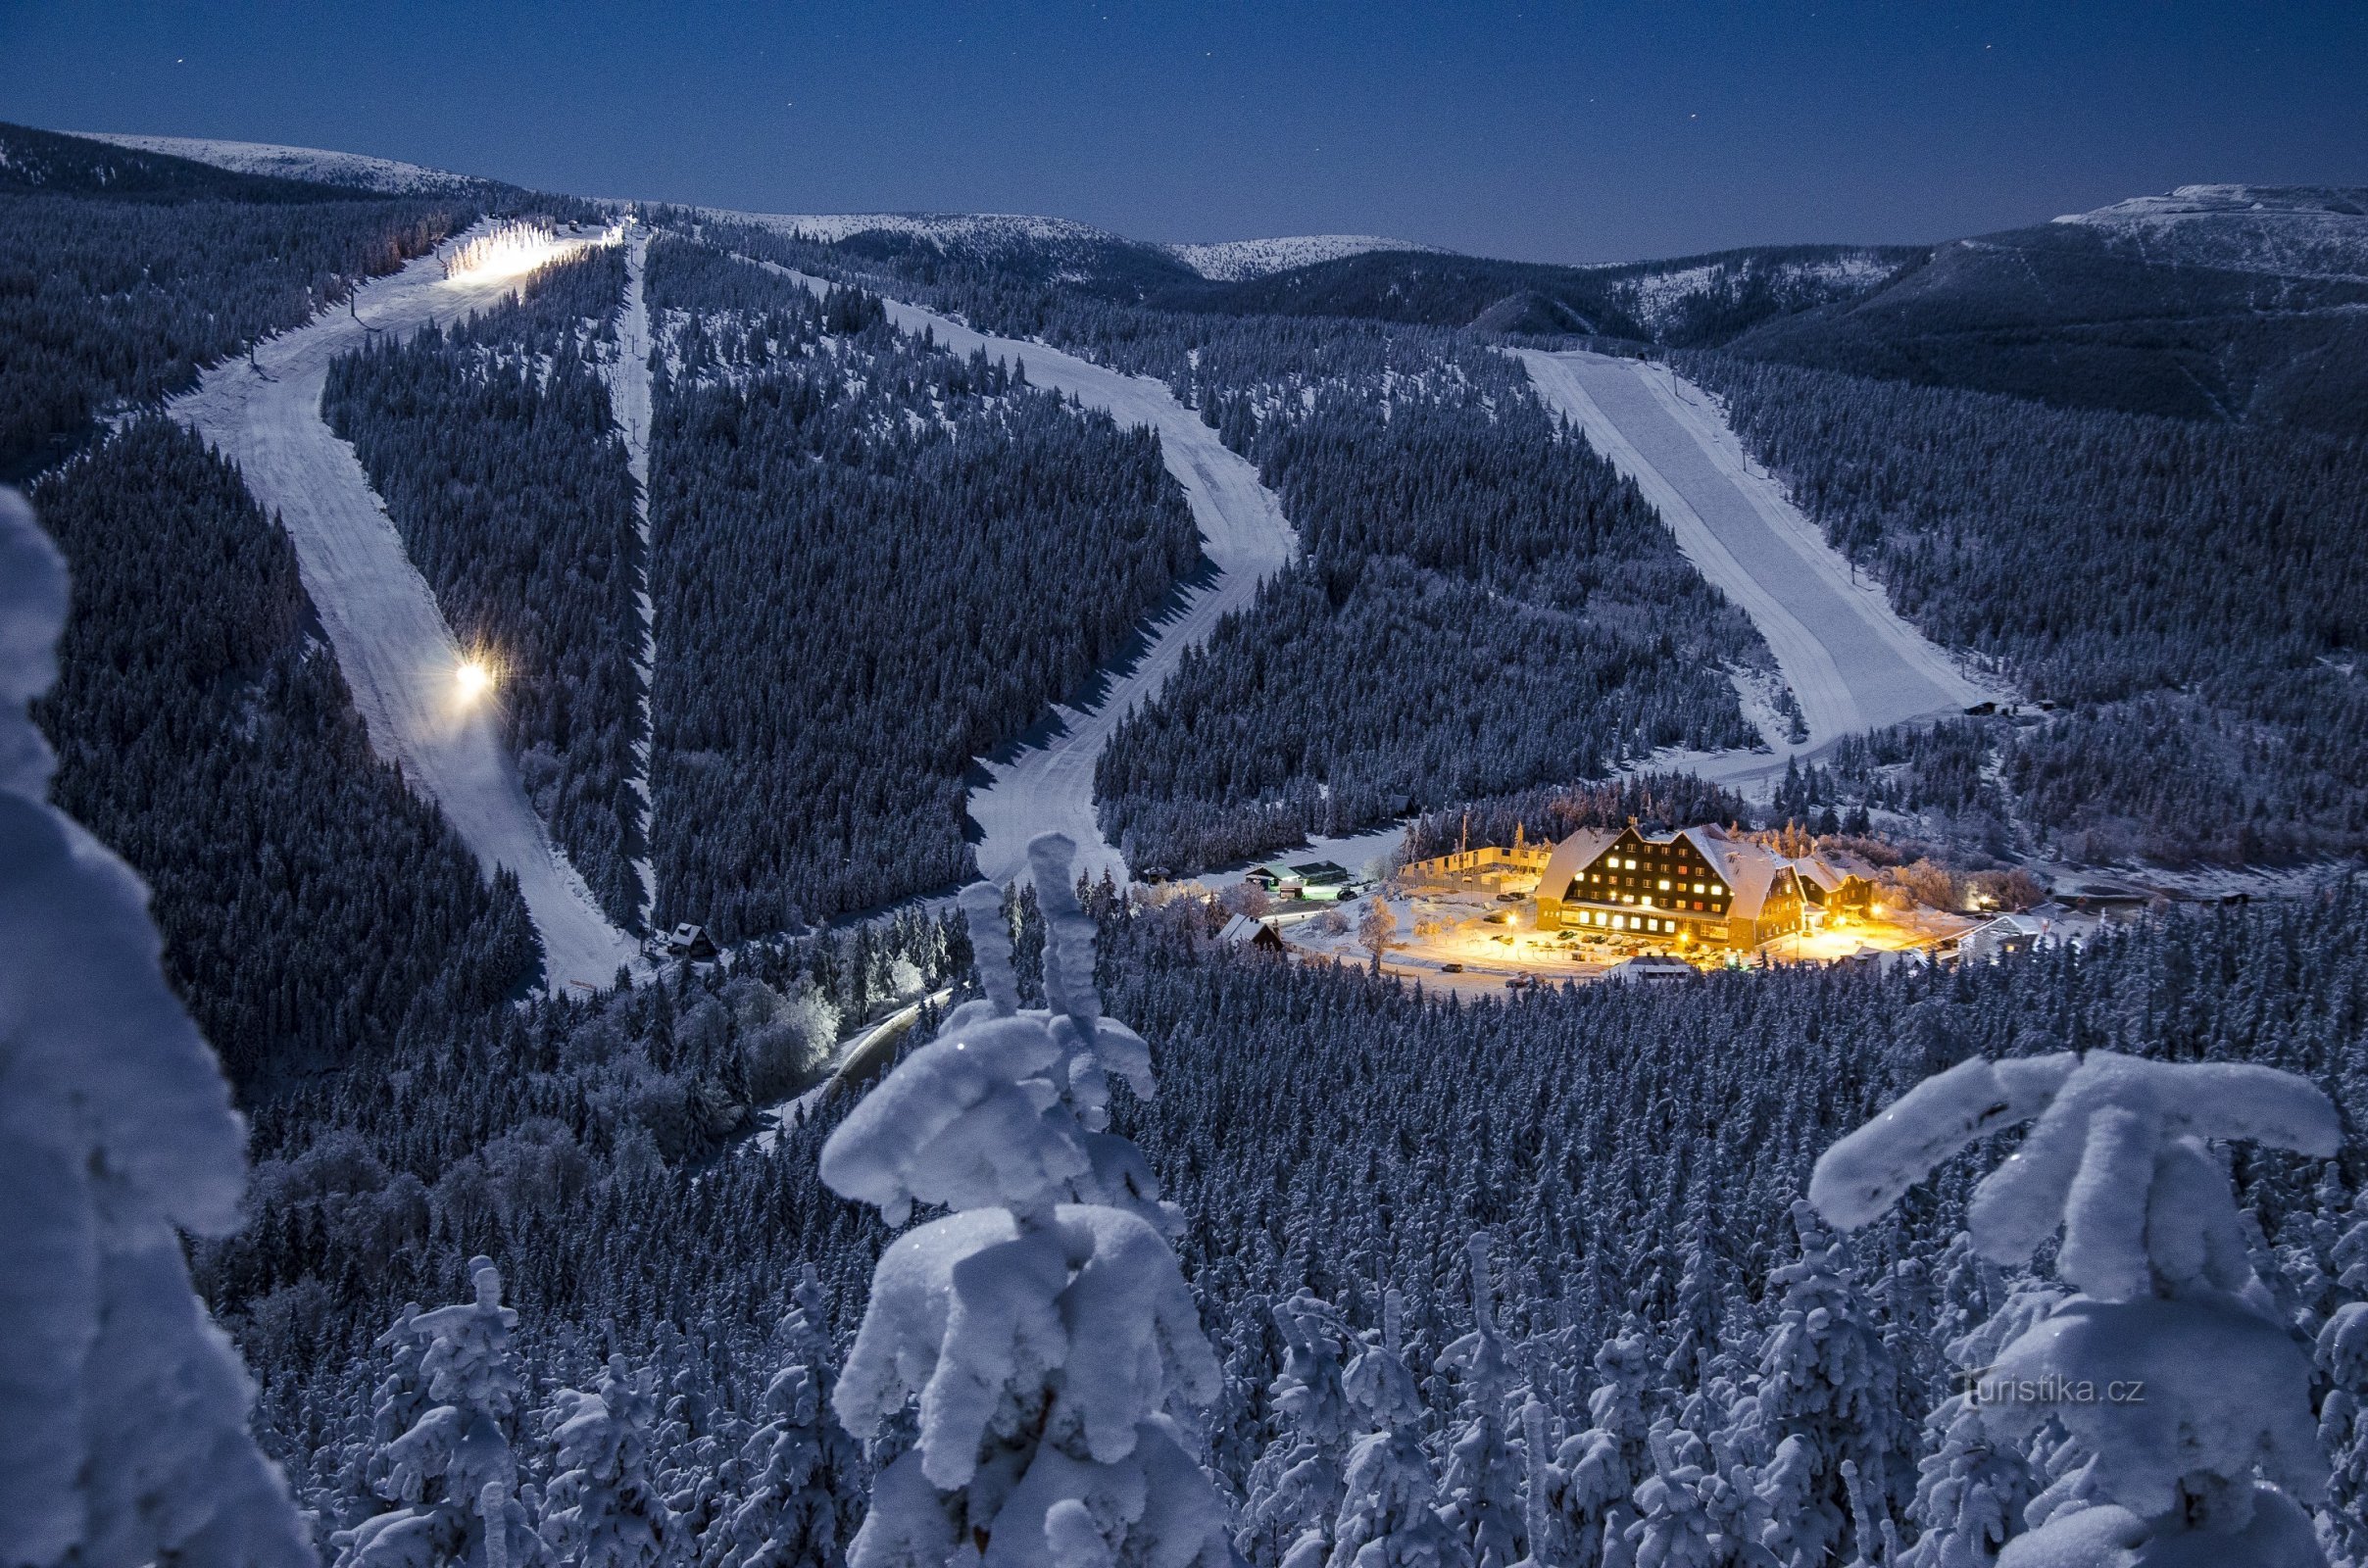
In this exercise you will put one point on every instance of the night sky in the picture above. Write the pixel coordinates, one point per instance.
(1559, 132)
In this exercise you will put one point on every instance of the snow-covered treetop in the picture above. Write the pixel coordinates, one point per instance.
(1042, 1341)
(2117, 1161)
(1001, 1109)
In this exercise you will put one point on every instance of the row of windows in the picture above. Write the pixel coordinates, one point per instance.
(1709, 889)
(1621, 922)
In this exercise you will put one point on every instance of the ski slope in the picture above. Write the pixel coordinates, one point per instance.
(629, 399)
(1050, 787)
(398, 656)
(1851, 661)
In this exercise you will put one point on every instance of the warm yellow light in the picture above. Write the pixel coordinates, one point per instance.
(509, 251)
(472, 680)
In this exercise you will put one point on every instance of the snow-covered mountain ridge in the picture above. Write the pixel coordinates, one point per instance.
(2291, 230)
(354, 170)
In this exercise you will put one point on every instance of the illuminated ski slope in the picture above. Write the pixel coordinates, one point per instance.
(397, 653)
(1851, 661)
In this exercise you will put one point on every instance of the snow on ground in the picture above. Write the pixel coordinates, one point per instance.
(1050, 787)
(1853, 663)
(398, 656)
(354, 170)
(1231, 261)
(629, 397)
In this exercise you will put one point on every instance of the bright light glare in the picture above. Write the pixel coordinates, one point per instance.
(472, 680)
(509, 251)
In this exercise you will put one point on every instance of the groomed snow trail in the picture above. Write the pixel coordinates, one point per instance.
(396, 652)
(1049, 788)
(1853, 663)
(629, 400)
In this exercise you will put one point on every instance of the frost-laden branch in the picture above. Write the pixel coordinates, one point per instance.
(2170, 1366)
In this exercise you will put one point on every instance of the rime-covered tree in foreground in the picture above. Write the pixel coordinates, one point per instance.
(1295, 1488)
(2188, 1399)
(1041, 1325)
(125, 1438)
(453, 1471)
(1385, 1519)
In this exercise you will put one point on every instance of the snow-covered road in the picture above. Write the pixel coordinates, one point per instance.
(629, 400)
(1853, 663)
(1050, 787)
(398, 656)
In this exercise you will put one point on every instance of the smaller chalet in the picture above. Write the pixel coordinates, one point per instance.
(1699, 885)
(1254, 936)
(688, 941)
(1831, 888)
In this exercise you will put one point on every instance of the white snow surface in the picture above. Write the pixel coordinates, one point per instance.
(1234, 260)
(355, 171)
(1851, 661)
(1049, 788)
(2291, 230)
(397, 653)
(629, 398)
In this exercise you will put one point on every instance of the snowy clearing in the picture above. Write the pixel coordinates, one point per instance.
(397, 653)
(629, 398)
(1049, 788)
(1853, 663)
(1234, 260)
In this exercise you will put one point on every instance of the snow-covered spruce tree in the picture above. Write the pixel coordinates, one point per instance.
(601, 1511)
(1295, 1488)
(452, 1473)
(125, 1441)
(1826, 1378)
(1595, 1472)
(1673, 1529)
(2343, 1427)
(796, 1474)
(2168, 1367)
(1972, 1487)
(1480, 1490)
(1041, 1325)
(1385, 1519)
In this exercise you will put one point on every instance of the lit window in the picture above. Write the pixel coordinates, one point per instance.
(1664, 884)
(1619, 923)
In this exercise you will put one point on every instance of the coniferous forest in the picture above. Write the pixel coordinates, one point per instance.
(2190, 595)
(494, 448)
(313, 908)
(122, 275)
(870, 1241)
(1482, 606)
(874, 562)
